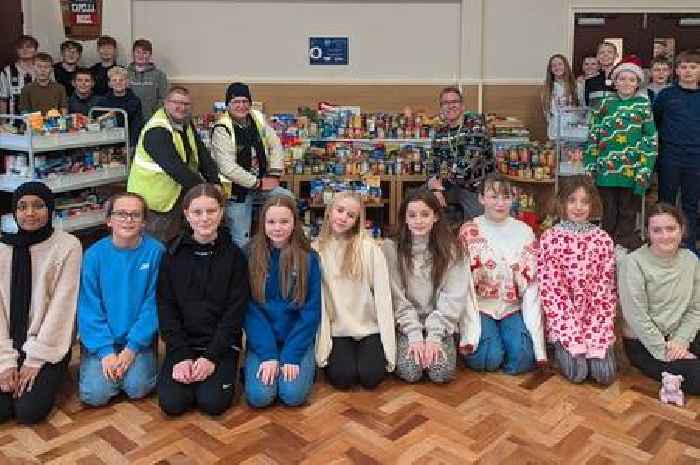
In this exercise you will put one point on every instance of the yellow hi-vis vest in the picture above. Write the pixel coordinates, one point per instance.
(148, 178)
(227, 122)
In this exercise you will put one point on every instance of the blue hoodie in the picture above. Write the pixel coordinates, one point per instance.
(278, 329)
(117, 303)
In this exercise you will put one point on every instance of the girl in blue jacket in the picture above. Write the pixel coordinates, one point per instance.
(284, 313)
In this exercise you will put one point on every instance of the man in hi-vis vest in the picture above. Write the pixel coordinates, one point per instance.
(250, 159)
(170, 159)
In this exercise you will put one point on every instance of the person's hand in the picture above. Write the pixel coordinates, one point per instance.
(415, 351)
(8, 379)
(110, 365)
(269, 183)
(463, 233)
(25, 380)
(432, 353)
(124, 360)
(676, 351)
(290, 372)
(268, 372)
(202, 368)
(182, 371)
(435, 183)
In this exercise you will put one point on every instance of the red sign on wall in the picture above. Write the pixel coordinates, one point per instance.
(82, 19)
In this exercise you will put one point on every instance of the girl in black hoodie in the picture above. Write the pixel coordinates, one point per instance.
(202, 294)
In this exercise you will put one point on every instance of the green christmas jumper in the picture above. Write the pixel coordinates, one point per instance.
(622, 144)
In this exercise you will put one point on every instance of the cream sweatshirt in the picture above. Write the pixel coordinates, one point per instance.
(55, 284)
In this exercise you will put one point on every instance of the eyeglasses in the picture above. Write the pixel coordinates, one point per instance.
(242, 101)
(180, 103)
(34, 206)
(121, 215)
(445, 103)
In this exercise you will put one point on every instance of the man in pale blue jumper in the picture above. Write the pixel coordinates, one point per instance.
(117, 318)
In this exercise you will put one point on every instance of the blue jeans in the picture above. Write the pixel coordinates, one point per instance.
(138, 381)
(239, 215)
(504, 342)
(673, 175)
(290, 393)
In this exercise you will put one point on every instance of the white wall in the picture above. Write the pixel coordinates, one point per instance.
(218, 40)
(42, 19)
(420, 41)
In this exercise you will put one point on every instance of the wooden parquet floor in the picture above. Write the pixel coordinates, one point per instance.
(478, 419)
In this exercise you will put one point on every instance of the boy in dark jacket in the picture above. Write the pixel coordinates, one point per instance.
(122, 97)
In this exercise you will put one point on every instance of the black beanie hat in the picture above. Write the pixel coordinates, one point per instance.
(237, 89)
(39, 189)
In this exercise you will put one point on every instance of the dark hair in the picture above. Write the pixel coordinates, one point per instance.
(44, 57)
(109, 205)
(84, 71)
(442, 244)
(688, 56)
(659, 61)
(71, 44)
(106, 40)
(143, 44)
(293, 277)
(26, 39)
(662, 208)
(451, 90)
(571, 185)
(178, 90)
(496, 183)
(203, 190)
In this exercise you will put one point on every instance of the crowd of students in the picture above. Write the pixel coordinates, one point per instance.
(491, 296)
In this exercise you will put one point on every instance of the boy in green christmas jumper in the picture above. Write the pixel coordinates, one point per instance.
(621, 152)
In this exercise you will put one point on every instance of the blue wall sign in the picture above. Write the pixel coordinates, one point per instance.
(328, 50)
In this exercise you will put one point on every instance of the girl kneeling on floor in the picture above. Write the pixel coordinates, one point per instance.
(503, 258)
(283, 314)
(576, 274)
(356, 340)
(659, 286)
(202, 295)
(428, 276)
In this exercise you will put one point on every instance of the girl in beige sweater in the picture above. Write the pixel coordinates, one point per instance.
(356, 340)
(39, 281)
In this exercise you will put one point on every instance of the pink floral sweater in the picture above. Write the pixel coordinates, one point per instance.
(576, 271)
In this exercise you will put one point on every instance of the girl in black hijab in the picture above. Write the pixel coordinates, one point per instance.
(39, 280)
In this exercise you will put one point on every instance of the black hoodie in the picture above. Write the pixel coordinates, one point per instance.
(131, 104)
(202, 295)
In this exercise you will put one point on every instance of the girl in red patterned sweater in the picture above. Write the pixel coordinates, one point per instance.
(576, 273)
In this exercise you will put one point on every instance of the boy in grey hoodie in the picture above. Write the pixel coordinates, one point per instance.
(149, 83)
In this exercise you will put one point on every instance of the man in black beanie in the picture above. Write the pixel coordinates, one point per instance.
(249, 155)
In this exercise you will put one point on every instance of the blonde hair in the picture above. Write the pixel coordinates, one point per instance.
(117, 71)
(351, 265)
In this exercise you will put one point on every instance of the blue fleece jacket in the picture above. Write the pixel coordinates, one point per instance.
(677, 117)
(278, 329)
(117, 303)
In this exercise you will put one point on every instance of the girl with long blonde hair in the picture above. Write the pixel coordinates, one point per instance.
(356, 341)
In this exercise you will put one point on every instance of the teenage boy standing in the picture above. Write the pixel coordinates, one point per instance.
(117, 316)
(677, 116)
(43, 94)
(107, 49)
(64, 71)
(17, 75)
(149, 83)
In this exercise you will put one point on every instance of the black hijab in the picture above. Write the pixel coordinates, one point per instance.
(21, 273)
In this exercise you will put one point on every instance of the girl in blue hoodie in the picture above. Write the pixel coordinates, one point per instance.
(284, 313)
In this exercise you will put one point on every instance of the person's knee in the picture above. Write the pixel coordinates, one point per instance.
(173, 404)
(293, 396)
(371, 376)
(259, 397)
(488, 357)
(94, 396)
(214, 405)
(32, 412)
(441, 375)
(138, 389)
(342, 378)
(5, 407)
(409, 371)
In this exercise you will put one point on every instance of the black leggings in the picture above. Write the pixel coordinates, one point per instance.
(352, 362)
(690, 369)
(35, 405)
(212, 396)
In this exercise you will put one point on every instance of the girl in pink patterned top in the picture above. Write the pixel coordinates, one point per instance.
(576, 272)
